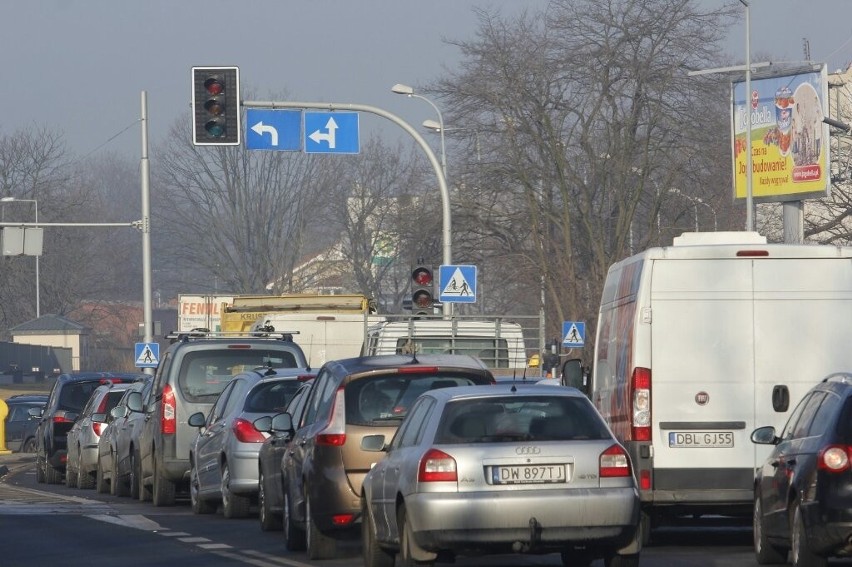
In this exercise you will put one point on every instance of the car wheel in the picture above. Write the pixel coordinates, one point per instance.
(233, 505)
(406, 542)
(764, 552)
(85, 480)
(800, 553)
(40, 465)
(101, 484)
(373, 555)
(294, 537)
(319, 545)
(163, 493)
(269, 522)
(70, 475)
(118, 485)
(199, 505)
(29, 446)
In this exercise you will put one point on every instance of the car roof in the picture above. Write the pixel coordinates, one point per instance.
(27, 398)
(501, 390)
(367, 363)
(83, 376)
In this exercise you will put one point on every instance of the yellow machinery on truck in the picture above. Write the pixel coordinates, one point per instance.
(242, 313)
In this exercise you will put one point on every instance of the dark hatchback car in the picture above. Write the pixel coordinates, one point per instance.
(69, 394)
(20, 425)
(803, 491)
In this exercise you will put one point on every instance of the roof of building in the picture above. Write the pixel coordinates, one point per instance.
(49, 324)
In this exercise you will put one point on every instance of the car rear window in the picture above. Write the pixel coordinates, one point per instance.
(527, 418)
(74, 395)
(205, 373)
(375, 400)
(493, 352)
(271, 397)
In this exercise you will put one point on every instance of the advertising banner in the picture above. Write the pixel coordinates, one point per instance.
(201, 312)
(789, 141)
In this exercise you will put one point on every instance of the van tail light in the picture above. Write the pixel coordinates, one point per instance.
(62, 417)
(640, 387)
(437, 466)
(334, 433)
(98, 427)
(168, 418)
(245, 431)
(614, 463)
(834, 458)
(342, 519)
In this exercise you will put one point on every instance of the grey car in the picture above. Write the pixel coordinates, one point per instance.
(502, 469)
(83, 437)
(223, 457)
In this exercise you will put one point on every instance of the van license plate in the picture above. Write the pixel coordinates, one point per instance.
(528, 474)
(680, 439)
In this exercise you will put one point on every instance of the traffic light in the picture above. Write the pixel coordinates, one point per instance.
(216, 117)
(422, 290)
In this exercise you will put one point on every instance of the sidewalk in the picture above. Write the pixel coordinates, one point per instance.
(12, 462)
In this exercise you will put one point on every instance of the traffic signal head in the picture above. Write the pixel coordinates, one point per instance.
(422, 290)
(216, 116)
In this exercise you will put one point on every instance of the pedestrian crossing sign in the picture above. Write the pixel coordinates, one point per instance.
(457, 284)
(573, 334)
(147, 355)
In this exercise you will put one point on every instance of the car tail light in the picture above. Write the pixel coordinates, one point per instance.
(62, 417)
(98, 427)
(245, 432)
(614, 463)
(645, 480)
(641, 404)
(834, 458)
(342, 519)
(437, 466)
(416, 369)
(168, 419)
(334, 433)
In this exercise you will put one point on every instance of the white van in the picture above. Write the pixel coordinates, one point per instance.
(700, 342)
(499, 344)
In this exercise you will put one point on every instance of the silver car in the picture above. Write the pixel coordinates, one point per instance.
(500, 469)
(83, 437)
(223, 457)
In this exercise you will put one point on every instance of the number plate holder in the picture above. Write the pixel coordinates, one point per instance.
(701, 439)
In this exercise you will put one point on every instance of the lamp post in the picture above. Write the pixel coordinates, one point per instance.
(749, 204)
(409, 92)
(35, 204)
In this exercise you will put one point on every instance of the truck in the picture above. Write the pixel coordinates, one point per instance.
(699, 343)
(241, 313)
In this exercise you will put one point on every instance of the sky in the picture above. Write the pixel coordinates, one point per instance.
(79, 66)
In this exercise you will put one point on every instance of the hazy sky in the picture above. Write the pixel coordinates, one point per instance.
(80, 65)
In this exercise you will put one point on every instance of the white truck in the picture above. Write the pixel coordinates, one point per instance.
(699, 343)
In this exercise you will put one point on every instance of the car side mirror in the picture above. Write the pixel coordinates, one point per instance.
(134, 401)
(373, 443)
(119, 411)
(99, 417)
(764, 436)
(197, 419)
(281, 423)
(35, 412)
(263, 424)
(574, 375)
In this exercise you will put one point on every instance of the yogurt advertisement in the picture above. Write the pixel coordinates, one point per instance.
(789, 141)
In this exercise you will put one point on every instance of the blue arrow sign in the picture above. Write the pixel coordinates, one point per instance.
(457, 284)
(331, 133)
(147, 355)
(274, 130)
(573, 334)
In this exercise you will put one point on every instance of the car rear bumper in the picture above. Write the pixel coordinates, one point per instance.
(545, 518)
(243, 469)
(829, 530)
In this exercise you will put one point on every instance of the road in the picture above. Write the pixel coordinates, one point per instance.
(54, 525)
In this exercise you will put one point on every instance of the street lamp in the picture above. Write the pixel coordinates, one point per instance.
(695, 202)
(749, 204)
(35, 204)
(409, 92)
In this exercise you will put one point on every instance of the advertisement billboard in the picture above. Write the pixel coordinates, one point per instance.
(201, 311)
(789, 141)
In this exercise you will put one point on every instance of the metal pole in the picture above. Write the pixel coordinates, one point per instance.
(441, 130)
(146, 232)
(38, 288)
(749, 203)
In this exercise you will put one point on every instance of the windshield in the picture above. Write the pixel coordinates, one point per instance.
(205, 373)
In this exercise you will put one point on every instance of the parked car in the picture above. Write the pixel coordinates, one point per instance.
(82, 439)
(192, 373)
(67, 397)
(20, 425)
(323, 470)
(803, 491)
(115, 448)
(507, 469)
(270, 496)
(223, 456)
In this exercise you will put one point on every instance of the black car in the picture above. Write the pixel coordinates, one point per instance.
(803, 491)
(67, 398)
(20, 425)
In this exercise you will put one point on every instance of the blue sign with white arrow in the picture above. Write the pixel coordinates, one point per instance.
(331, 133)
(274, 130)
(457, 284)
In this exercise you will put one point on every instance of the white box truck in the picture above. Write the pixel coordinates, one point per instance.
(699, 343)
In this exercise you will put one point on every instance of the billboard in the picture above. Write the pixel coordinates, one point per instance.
(789, 141)
(201, 311)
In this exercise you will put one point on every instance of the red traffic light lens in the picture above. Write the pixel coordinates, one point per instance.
(422, 276)
(214, 86)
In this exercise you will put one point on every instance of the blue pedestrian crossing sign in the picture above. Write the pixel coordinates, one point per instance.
(147, 355)
(457, 284)
(573, 334)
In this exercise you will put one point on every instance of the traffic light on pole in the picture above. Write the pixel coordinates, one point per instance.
(422, 290)
(216, 116)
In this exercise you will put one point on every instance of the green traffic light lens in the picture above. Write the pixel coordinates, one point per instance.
(214, 86)
(215, 128)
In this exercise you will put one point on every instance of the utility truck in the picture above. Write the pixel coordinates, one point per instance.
(701, 342)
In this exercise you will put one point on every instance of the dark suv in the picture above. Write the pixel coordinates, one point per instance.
(803, 492)
(69, 394)
(192, 373)
(20, 424)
